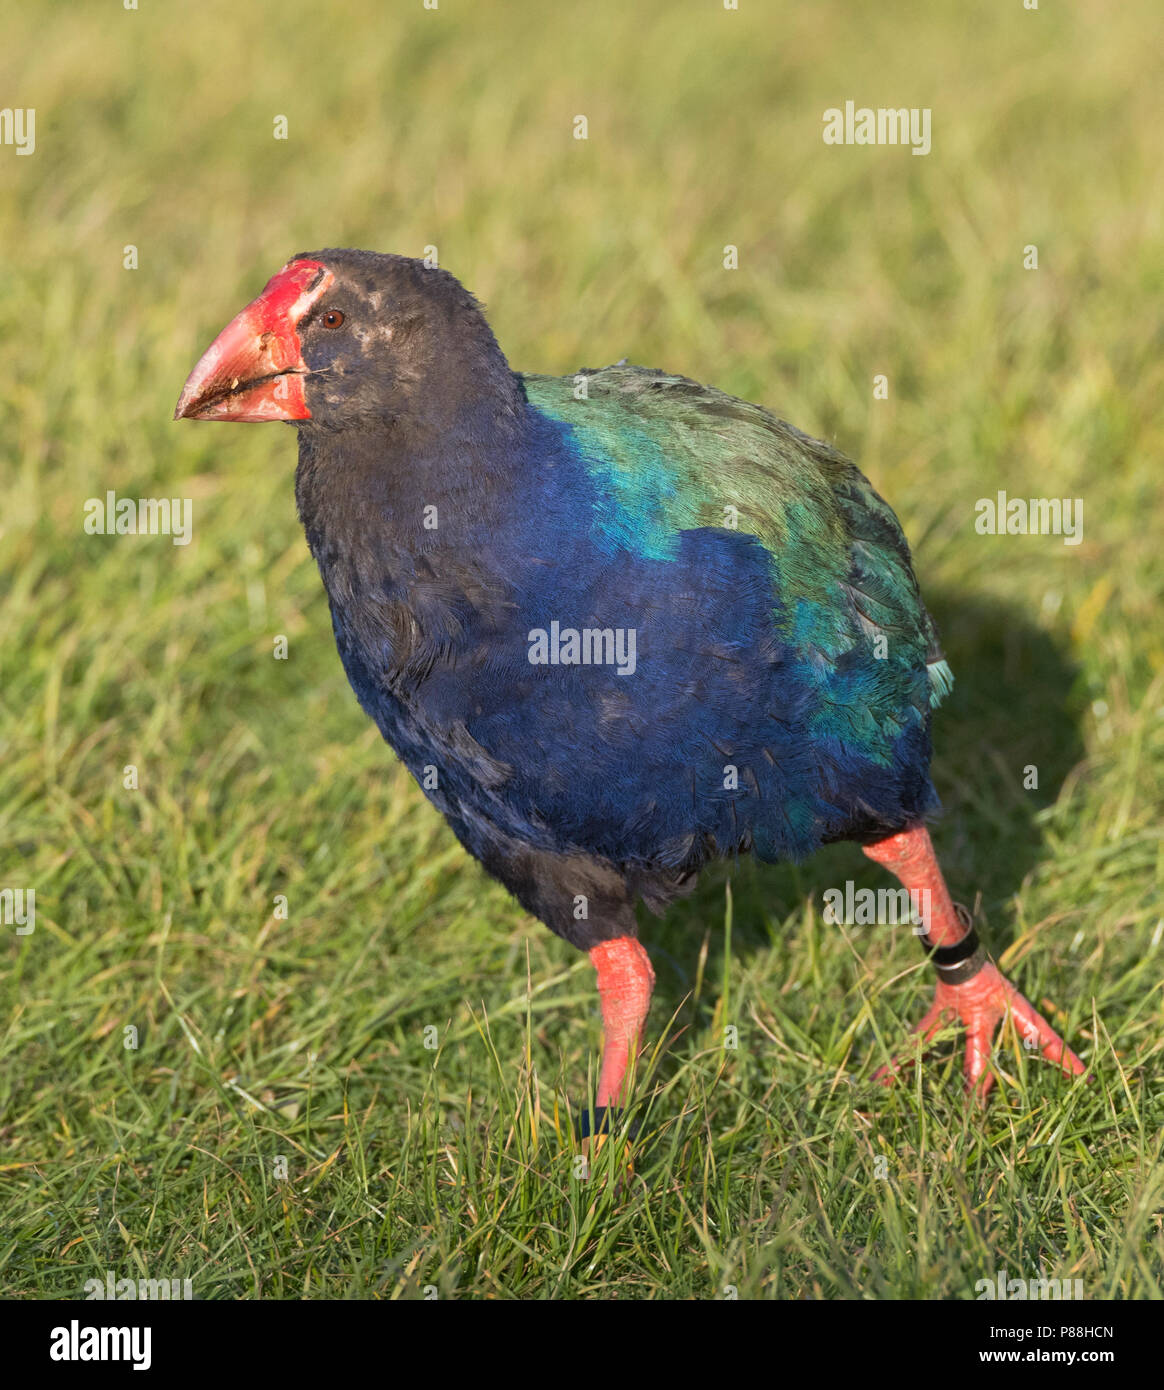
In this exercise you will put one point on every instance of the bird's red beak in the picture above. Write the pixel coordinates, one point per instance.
(254, 370)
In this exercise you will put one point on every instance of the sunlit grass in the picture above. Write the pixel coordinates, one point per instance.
(302, 1037)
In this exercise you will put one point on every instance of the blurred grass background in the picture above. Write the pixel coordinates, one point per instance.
(303, 1038)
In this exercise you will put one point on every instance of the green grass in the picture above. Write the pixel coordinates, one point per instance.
(409, 1169)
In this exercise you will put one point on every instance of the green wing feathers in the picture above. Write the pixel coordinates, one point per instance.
(670, 455)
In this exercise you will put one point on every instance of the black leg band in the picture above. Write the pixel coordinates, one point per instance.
(603, 1120)
(958, 963)
(598, 1123)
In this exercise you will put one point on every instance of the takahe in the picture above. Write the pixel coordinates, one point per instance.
(616, 624)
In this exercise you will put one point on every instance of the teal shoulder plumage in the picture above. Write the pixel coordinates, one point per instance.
(670, 455)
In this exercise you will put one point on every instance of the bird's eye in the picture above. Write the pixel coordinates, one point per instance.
(333, 319)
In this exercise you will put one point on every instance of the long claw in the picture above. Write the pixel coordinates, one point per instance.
(935, 1019)
(975, 1068)
(1036, 1029)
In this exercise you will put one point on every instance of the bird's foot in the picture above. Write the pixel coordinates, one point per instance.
(981, 1003)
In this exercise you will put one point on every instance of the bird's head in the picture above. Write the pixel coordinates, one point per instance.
(341, 337)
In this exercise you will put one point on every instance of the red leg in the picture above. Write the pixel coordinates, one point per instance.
(625, 981)
(980, 1002)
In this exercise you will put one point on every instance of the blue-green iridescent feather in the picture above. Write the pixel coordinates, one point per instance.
(671, 455)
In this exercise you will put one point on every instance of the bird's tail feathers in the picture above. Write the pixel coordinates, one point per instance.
(941, 682)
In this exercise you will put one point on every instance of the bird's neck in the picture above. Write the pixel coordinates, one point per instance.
(402, 493)
(423, 542)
